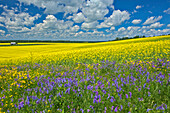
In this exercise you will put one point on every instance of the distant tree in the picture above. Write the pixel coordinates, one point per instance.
(136, 37)
(125, 38)
(117, 38)
(143, 36)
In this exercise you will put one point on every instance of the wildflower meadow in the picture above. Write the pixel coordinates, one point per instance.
(128, 76)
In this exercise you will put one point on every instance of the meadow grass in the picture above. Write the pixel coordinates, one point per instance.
(118, 76)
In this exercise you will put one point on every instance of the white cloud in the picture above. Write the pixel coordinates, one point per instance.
(55, 6)
(74, 28)
(168, 25)
(133, 28)
(78, 18)
(17, 21)
(1, 25)
(2, 19)
(155, 25)
(134, 12)
(136, 21)
(2, 31)
(167, 11)
(91, 25)
(103, 25)
(150, 12)
(115, 19)
(152, 20)
(121, 29)
(20, 19)
(70, 6)
(112, 28)
(51, 23)
(96, 9)
(138, 7)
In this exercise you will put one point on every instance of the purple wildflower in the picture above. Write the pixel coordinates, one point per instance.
(130, 94)
(126, 95)
(112, 108)
(116, 109)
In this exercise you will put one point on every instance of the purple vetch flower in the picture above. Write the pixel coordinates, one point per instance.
(112, 99)
(139, 89)
(120, 95)
(112, 108)
(140, 99)
(68, 107)
(28, 100)
(82, 110)
(99, 100)
(148, 110)
(105, 109)
(116, 109)
(88, 87)
(21, 104)
(67, 91)
(38, 101)
(95, 99)
(51, 105)
(126, 95)
(149, 94)
(91, 107)
(160, 108)
(121, 107)
(144, 85)
(88, 110)
(130, 94)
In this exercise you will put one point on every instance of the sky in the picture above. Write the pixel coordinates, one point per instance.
(82, 20)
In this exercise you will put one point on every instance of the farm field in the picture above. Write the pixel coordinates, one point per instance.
(118, 76)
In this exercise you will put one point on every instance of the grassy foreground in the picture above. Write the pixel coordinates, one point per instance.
(120, 76)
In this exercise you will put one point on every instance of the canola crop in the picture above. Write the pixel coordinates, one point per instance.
(119, 76)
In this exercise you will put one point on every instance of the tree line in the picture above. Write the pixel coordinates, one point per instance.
(68, 41)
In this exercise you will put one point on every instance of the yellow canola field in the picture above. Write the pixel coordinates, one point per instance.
(61, 53)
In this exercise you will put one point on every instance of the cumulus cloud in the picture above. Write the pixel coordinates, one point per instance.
(138, 7)
(17, 21)
(2, 19)
(2, 31)
(55, 6)
(91, 25)
(115, 19)
(1, 25)
(155, 25)
(78, 18)
(121, 29)
(71, 6)
(168, 25)
(51, 23)
(133, 28)
(167, 11)
(134, 12)
(112, 28)
(136, 21)
(150, 12)
(96, 9)
(74, 28)
(152, 20)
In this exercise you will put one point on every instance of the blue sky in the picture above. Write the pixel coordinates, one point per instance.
(82, 19)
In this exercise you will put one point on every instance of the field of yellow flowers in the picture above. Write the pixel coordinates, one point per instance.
(118, 76)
